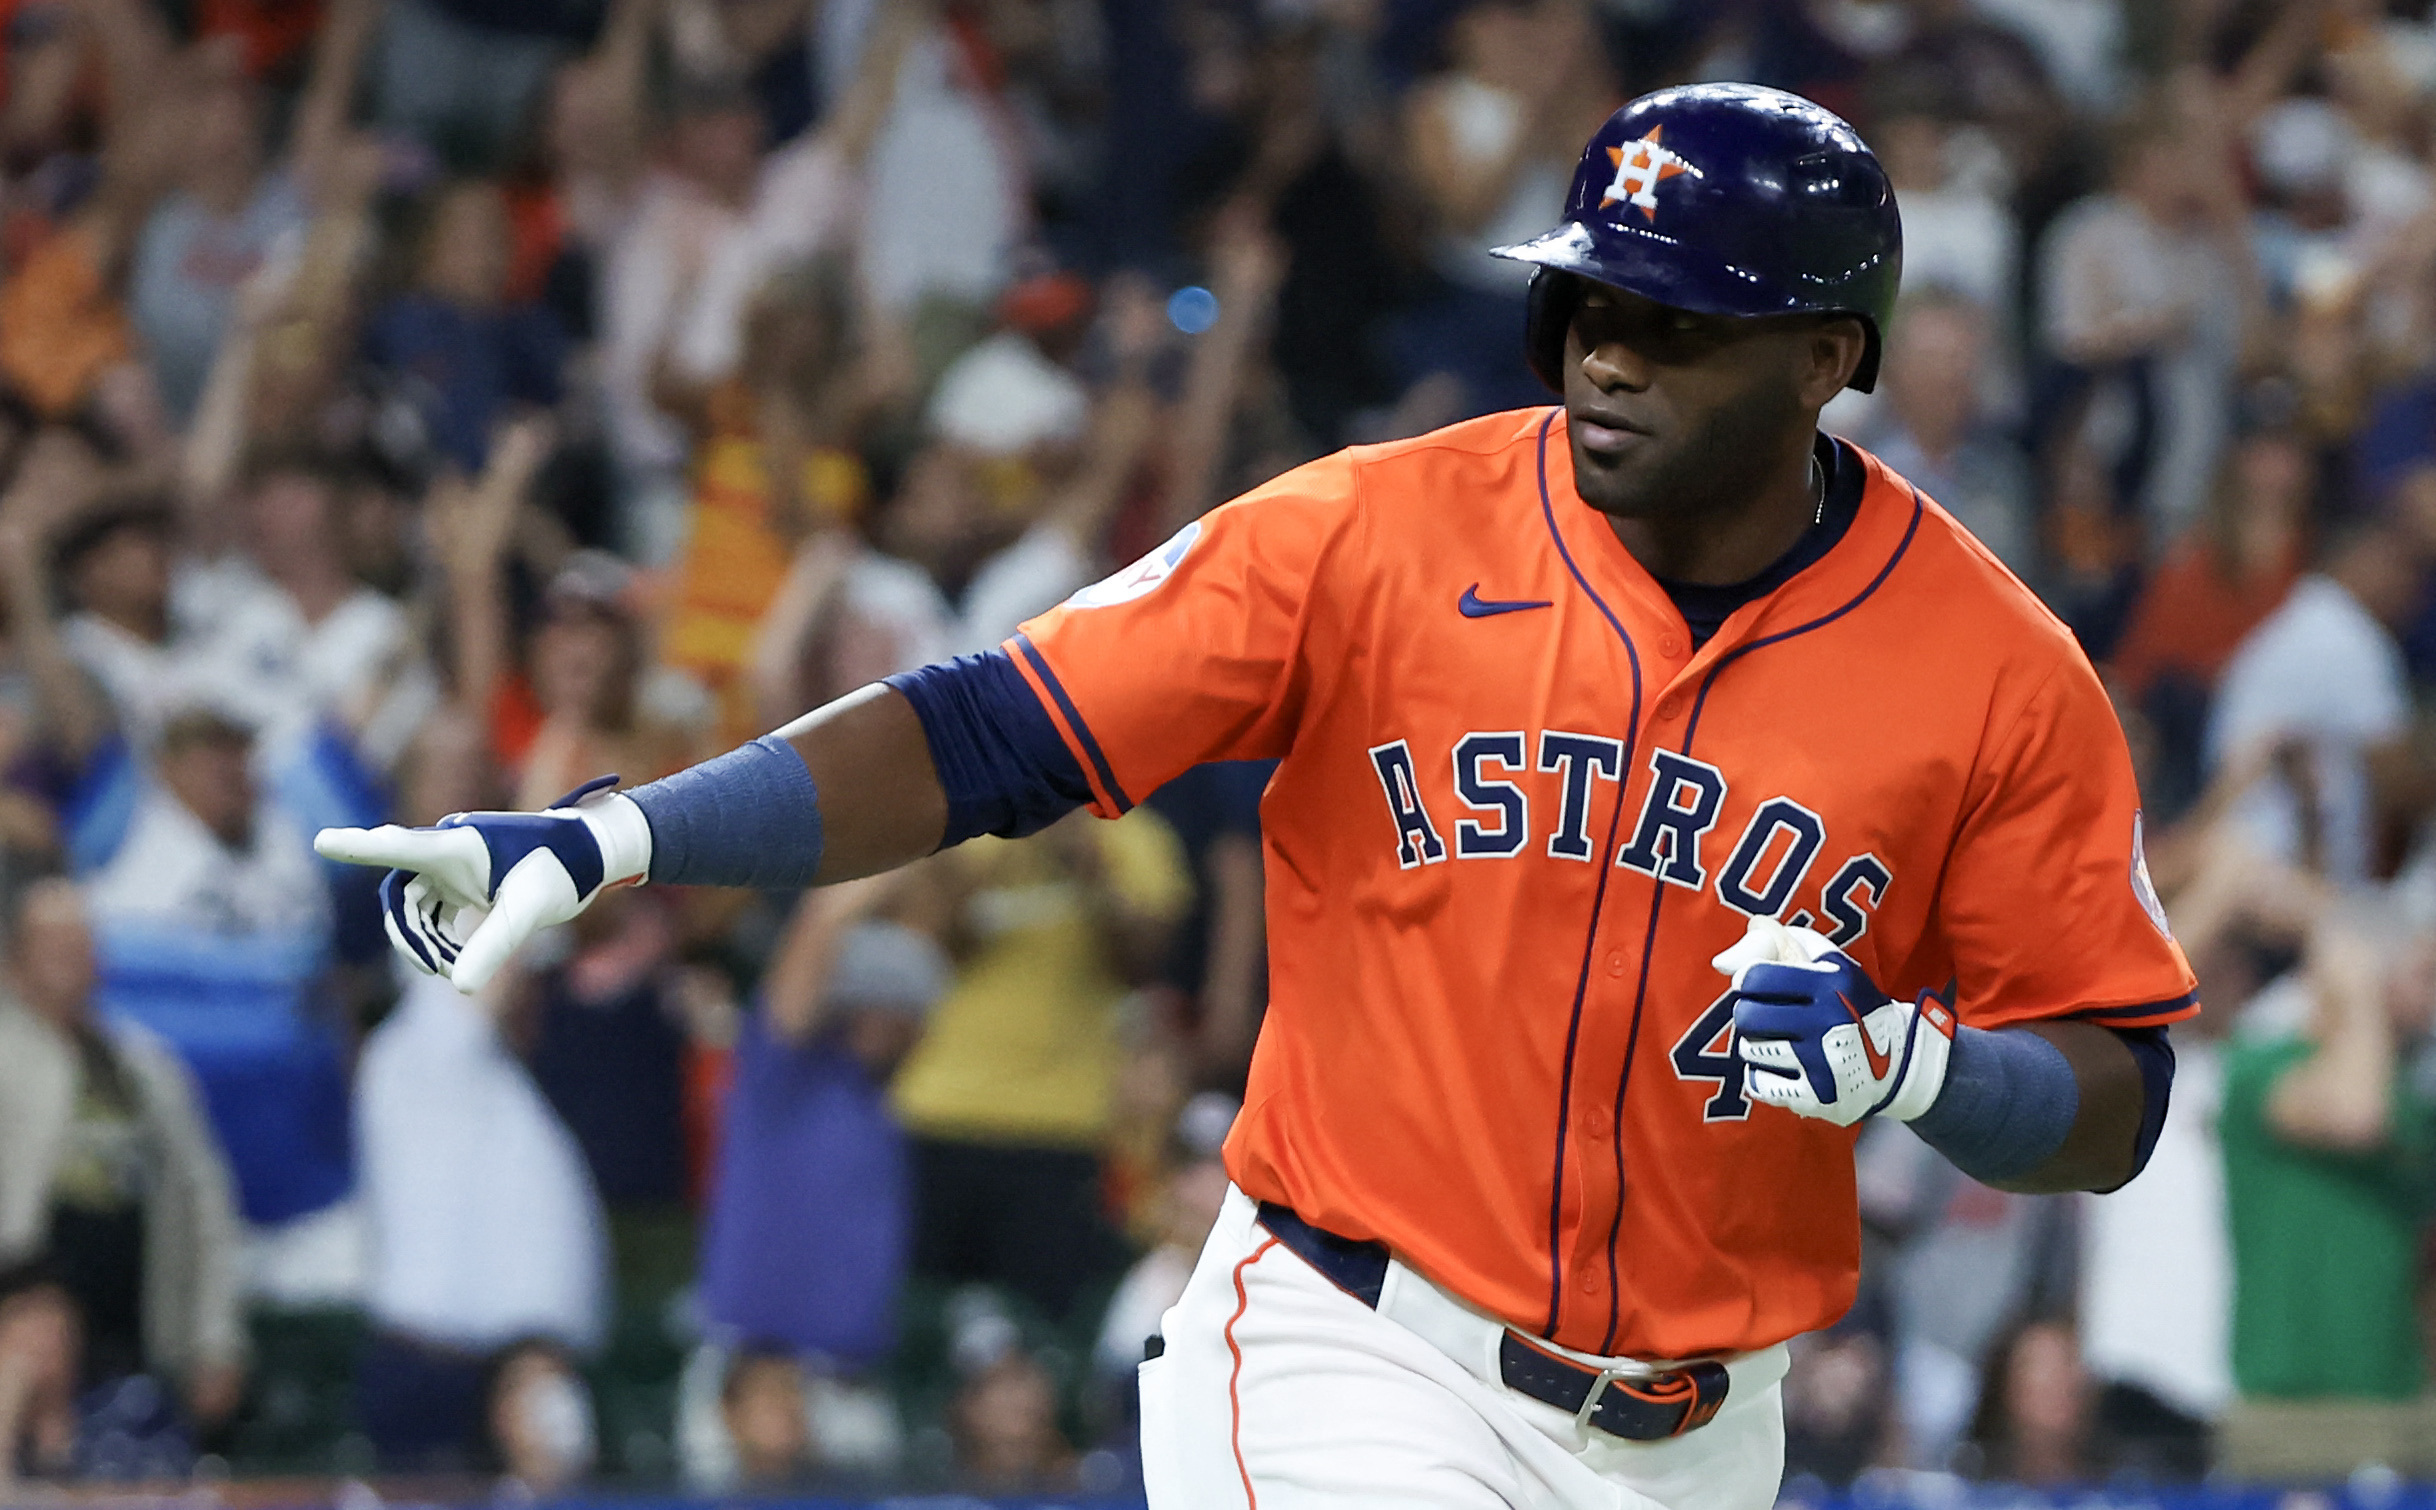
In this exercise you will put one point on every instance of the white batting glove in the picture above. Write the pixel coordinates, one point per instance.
(464, 895)
(1821, 1040)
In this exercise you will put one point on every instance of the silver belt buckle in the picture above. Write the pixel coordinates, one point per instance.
(1598, 1392)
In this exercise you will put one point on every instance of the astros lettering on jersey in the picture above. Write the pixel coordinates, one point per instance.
(1516, 814)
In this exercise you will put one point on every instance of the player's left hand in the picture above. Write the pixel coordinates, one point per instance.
(1821, 1040)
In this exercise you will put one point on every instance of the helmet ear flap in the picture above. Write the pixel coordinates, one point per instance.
(1865, 376)
(1548, 310)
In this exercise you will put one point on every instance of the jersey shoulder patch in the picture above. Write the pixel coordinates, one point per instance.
(2142, 887)
(1142, 577)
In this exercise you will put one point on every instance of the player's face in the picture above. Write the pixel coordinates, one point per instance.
(1673, 414)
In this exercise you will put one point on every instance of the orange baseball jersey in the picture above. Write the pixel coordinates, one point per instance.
(1516, 814)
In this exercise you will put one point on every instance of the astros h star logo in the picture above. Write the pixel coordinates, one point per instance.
(1640, 167)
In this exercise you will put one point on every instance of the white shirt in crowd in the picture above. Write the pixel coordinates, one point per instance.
(1960, 239)
(145, 683)
(2080, 41)
(1482, 122)
(684, 269)
(483, 1222)
(172, 873)
(945, 143)
(1044, 567)
(238, 644)
(358, 665)
(2103, 260)
(2323, 670)
(1150, 1287)
(2172, 1339)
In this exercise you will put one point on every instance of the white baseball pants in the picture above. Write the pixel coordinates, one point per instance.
(1278, 1391)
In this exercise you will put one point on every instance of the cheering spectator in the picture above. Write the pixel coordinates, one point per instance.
(2323, 677)
(1005, 461)
(2329, 1131)
(2159, 1358)
(118, 1235)
(1956, 234)
(467, 353)
(1934, 428)
(68, 349)
(2214, 586)
(1013, 1088)
(698, 201)
(939, 141)
(481, 1218)
(809, 1228)
(1493, 142)
(570, 707)
(214, 921)
(232, 210)
(297, 642)
(777, 479)
(587, 667)
(705, 234)
(810, 1213)
(2148, 292)
(70, 543)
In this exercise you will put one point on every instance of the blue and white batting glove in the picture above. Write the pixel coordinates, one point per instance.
(1821, 1040)
(463, 895)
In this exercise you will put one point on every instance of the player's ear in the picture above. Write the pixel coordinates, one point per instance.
(1832, 352)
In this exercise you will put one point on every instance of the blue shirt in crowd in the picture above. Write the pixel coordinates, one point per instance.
(808, 1231)
(468, 366)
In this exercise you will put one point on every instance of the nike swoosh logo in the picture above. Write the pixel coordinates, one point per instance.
(1878, 1058)
(1475, 606)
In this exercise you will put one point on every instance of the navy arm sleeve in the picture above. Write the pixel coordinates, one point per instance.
(2156, 1055)
(2010, 1099)
(999, 758)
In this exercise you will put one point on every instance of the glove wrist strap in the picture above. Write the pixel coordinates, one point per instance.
(1929, 1049)
(623, 834)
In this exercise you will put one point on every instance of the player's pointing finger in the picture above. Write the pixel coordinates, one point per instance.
(391, 845)
(453, 861)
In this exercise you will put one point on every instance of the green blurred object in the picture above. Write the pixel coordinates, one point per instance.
(634, 1381)
(299, 1405)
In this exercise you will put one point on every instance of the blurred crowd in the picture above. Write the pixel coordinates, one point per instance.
(409, 406)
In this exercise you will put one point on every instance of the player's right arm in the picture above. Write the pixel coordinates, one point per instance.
(463, 896)
(2044, 1065)
(1193, 653)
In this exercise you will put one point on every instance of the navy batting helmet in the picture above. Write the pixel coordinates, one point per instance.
(1724, 199)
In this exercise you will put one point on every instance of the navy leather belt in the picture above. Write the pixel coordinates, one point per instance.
(1640, 1407)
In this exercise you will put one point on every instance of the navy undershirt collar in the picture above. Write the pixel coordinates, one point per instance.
(1705, 608)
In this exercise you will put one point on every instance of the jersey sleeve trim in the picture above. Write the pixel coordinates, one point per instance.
(2141, 1014)
(1070, 719)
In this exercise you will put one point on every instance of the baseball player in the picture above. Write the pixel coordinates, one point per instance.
(1663, 789)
